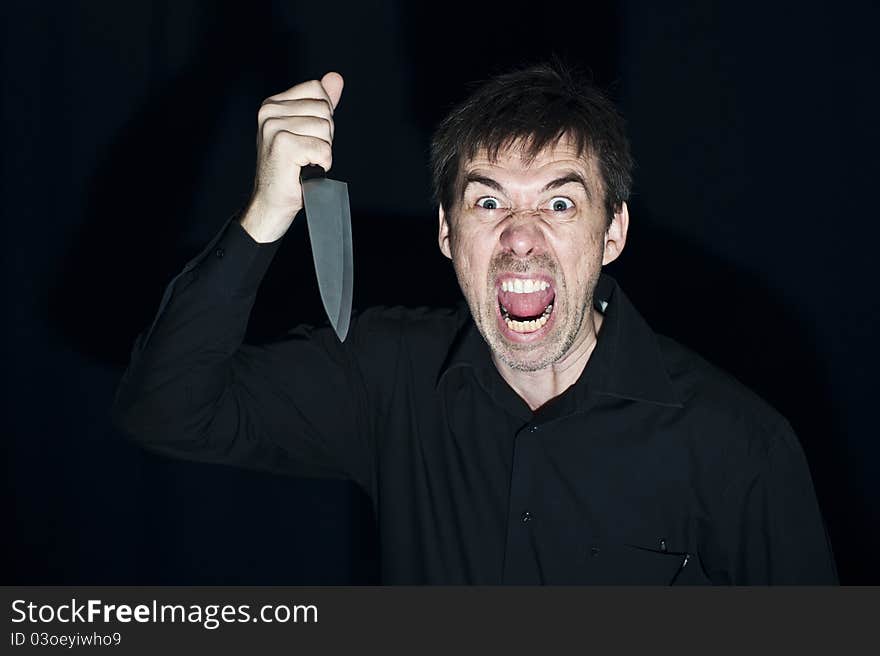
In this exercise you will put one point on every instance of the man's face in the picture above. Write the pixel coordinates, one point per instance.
(528, 241)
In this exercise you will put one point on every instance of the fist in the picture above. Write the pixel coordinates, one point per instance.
(294, 129)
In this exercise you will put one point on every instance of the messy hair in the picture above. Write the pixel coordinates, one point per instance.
(533, 108)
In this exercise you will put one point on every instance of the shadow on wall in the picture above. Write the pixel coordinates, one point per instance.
(200, 525)
(141, 200)
(733, 320)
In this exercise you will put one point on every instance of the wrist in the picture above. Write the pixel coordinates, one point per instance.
(265, 225)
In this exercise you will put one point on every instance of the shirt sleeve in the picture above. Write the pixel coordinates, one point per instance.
(771, 529)
(193, 390)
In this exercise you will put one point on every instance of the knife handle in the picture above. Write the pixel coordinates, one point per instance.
(311, 171)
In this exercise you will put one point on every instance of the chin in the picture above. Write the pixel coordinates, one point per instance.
(523, 365)
(529, 356)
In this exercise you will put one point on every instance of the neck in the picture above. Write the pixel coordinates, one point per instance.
(538, 387)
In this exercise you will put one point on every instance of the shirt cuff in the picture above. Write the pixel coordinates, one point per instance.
(235, 263)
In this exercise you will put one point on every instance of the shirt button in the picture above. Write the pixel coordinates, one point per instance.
(220, 252)
(533, 429)
(526, 517)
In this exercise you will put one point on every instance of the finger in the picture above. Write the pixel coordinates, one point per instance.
(310, 89)
(333, 83)
(306, 108)
(308, 126)
(299, 107)
(300, 150)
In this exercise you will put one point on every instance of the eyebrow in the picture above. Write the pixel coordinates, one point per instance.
(571, 176)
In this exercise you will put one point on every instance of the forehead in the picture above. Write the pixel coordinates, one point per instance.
(516, 164)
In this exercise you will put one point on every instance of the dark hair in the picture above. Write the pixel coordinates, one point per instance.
(534, 107)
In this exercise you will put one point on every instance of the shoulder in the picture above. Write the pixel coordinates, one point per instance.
(724, 415)
(422, 326)
(383, 335)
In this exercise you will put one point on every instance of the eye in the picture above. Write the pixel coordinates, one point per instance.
(488, 203)
(560, 204)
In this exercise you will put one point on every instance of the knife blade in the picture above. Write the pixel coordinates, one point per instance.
(328, 216)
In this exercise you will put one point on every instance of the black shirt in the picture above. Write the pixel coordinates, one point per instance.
(653, 468)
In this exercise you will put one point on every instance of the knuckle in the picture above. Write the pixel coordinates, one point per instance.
(314, 86)
(321, 125)
(321, 108)
(326, 155)
(285, 139)
(268, 124)
(265, 110)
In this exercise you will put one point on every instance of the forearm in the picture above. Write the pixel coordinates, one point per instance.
(180, 365)
(194, 390)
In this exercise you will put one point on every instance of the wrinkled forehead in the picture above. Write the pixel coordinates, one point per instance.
(521, 159)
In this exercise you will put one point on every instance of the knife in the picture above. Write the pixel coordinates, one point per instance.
(328, 217)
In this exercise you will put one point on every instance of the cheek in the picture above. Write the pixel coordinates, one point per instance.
(471, 254)
(465, 270)
(593, 258)
(585, 262)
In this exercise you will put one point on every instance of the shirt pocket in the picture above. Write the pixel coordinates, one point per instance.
(635, 564)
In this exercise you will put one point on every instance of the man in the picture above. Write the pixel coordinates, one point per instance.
(541, 434)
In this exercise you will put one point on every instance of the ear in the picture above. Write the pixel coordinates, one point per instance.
(443, 237)
(615, 236)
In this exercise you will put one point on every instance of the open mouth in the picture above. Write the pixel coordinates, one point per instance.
(525, 304)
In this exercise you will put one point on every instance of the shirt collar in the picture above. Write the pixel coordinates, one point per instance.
(626, 363)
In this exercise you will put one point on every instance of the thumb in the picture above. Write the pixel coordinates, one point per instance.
(333, 83)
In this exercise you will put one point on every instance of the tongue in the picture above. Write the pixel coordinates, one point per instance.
(526, 305)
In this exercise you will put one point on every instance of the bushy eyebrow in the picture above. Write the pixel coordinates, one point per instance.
(571, 176)
(472, 178)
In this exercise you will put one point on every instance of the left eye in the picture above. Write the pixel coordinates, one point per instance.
(489, 203)
(560, 204)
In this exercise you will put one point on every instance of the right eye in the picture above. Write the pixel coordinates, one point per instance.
(489, 203)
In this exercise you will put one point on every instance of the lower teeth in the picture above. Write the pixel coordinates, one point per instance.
(527, 326)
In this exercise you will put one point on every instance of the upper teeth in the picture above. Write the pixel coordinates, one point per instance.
(519, 286)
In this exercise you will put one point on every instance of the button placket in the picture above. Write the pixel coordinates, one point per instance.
(527, 516)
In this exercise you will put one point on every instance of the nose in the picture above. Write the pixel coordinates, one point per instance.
(522, 236)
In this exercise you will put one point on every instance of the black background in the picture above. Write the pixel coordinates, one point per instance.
(128, 139)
